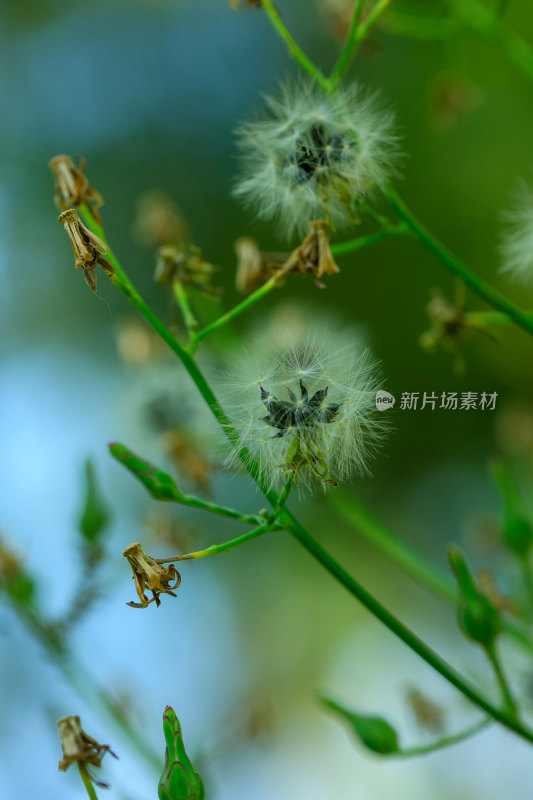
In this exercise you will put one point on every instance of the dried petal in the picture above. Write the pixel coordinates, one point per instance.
(149, 574)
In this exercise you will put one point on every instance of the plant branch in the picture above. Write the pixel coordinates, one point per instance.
(87, 782)
(350, 45)
(293, 48)
(220, 548)
(455, 266)
(300, 534)
(446, 741)
(182, 299)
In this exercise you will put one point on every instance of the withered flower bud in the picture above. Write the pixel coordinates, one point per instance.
(73, 187)
(428, 714)
(159, 221)
(254, 267)
(447, 324)
(79, 747)
(190, 462)
(314, 255)
(186, 265)
(89, 250)
(149, 574)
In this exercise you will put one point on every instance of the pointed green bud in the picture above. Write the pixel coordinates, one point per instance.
(160, 485)
(95, 515)
(179, 781)
(375, 733)
(478, 619)
(517, 532)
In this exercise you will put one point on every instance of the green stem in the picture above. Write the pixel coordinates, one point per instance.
(219, 548)
(307, 541)
(88, 784)
(214, 508)
(505, 690)
(444, 669)
(350, 46)
(340, 248)
(446, 741)
(293, 48)
(190, 321)
(263, 290)
(454, 265)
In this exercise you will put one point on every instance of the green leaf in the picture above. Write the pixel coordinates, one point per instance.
(95, 516)
(160, 485)
(375, 733)
(179, 780)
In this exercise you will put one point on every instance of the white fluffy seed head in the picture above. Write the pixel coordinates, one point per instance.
(517, 240)
(306, 409)
(316, 155)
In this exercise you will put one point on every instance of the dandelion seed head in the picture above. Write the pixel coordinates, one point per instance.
(316, 155)
(517, 240)
(312, 414)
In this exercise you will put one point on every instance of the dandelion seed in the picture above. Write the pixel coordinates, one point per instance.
(309, 412)
(316, 156)
(517, 241)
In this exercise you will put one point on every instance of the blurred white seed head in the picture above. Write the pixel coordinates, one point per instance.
(306, 408)
(316, 155)
(517, 240)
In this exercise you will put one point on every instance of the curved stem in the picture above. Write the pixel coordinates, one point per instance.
(294, 49)
(454, 265)
(507, 697)
(446, 741)
(339, 248)
(307, 541)
(350, 45)
(182, 299)
(219, 548)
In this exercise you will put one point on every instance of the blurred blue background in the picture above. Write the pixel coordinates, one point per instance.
(150, 93)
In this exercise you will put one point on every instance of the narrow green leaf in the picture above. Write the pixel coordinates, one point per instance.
(179, 780)
(375, 733)
(95, 515)
(160, 485)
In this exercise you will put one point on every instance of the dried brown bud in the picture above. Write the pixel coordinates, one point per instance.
(149, 574)
(89, 250)
(447, 324)
(314, 255)
(79, 747)
(428, 714)
(72, 186)
(254, 268)
(186, 265)
(190, 463)
(486, 584)
(159, 221)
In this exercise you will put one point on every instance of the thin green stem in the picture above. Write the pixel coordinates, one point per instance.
(454, 265)
(88, 784)
(340, 248)
(446, 741)
(293, 48)
(300, 534)
(214, 508)
(263, 290)
(358, 31)
(182, 299)
(444, 669)
(505, 690)
(350, 45)
(220, 548)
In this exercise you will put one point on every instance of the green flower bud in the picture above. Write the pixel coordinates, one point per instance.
(94, 517)
(160, 485)
(478, 619)
(517, 532)
(375, 733)
(179, 781)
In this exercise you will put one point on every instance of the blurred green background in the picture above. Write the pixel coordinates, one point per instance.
(150, 93)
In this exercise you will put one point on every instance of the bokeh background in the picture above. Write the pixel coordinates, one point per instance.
(151, 92)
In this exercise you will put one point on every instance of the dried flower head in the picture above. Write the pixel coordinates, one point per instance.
(186, 265)
(517, 240)
(316, 156)
(448, 323)
(307, 410)
(72, 185)
(254, 268)
(149, 574)
(89, 250)
(79, 747)
(428, 714)
(159, 220)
